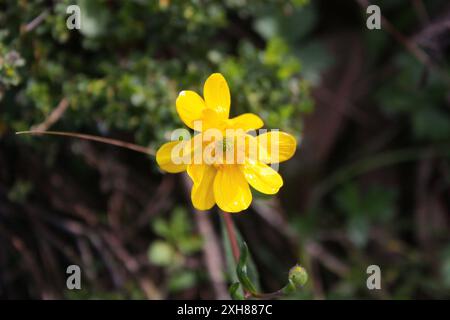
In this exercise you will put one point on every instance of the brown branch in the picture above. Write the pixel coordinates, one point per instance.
(131, 265)
(83, 136)
(411, 46)
(54, 116)
(211, 249)
(212, 253)
(421, 11)
(317, 251)
(428, 36)
(35, 22)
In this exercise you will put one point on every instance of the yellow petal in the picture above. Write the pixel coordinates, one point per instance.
(212, 120)
(217, 94)
(170, 157)
(279, 146)
(262, 177)
(190, 107)
(193, 149)
(246, 122)
(253, 151)
(202, 194)
(231, 190)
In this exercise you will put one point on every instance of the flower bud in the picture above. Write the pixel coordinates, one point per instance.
(298, 275)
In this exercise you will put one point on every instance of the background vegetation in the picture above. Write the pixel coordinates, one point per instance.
(370, 182)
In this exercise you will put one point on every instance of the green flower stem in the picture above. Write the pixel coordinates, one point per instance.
(229, 226)
(297, 279)
(289, 288)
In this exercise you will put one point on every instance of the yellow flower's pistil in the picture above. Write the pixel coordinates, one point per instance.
(221, 151)
(223, 159)
(227, 145)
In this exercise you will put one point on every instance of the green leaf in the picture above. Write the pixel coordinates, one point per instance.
(161, 228)
(241, 270)
(180, 225)
(445, 267)
(236, 291)
(290, 288)
(161, 253)
(190, 244)
(94, 18)
(182, 280)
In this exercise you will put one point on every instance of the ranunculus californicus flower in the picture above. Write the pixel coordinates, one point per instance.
(223, 159)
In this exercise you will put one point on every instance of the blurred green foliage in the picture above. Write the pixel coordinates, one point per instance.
(364, 209)
(178, 242)
(423, 107)
(122, 72)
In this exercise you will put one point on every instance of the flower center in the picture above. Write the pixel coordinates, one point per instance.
(226, 145)
(228, 152)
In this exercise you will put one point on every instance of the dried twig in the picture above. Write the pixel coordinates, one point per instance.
(54, 116)
(35, 22)
(317, 251)
(411, 46)
(212, 252)
(131, 265)
(421, 11)
(83, 136)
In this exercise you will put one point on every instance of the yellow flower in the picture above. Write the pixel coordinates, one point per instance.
(223, 159)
